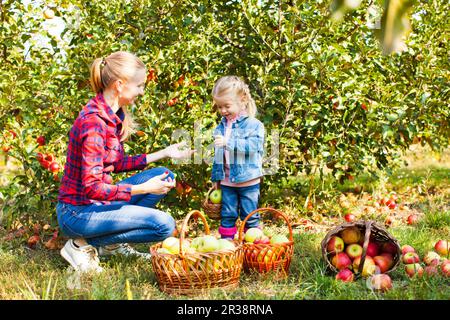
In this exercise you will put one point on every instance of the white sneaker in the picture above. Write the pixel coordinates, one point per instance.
(83, 259)
(123, 249)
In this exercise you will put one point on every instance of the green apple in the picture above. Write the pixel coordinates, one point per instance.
(216, 196)
(163, 251)
(253, 234)
(195, 243)
(172, 244)
(225, 244)
(279, 238)
(209, 243)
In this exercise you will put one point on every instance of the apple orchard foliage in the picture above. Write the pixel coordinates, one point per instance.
(334, 98)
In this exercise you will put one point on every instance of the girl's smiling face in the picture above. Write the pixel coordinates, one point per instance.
(133, 88)
(228, 105)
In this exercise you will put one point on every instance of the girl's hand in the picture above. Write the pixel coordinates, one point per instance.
(219, 141)
(155, 185)
(173, 151)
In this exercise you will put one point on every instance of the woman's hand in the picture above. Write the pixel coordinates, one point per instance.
(173, 151)
(155, 185)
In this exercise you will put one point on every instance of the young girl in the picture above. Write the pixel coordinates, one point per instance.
(91, 210)
(239, 142)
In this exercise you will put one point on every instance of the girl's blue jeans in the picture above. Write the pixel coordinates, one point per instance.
(135, 221)
(239, 202)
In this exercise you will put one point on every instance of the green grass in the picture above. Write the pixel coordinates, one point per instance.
(42, 274)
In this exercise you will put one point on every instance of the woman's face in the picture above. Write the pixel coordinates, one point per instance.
(133, 88)
(228, 105)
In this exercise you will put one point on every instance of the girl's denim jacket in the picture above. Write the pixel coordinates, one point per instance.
(245, 144)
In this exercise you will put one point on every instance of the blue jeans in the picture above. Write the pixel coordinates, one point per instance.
(121, 221)
(242, 201)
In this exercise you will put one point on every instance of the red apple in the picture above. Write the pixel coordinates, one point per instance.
(372, 249)
(389, 247)
(413, 269)
(412, 219)
(39, 156)
(431, 258)
(335, 245)
(410, 257)
(54, 167)
(354, 250)
(349, 217)
(389, 258)
(341, 261)
(391, 203)
(41, 140)
(407, 248)
(442, 247)
(431, 270)
(351, 235)
(445, 268)
(262, 240)
(345, 275)
(383, 263)
(381, 282)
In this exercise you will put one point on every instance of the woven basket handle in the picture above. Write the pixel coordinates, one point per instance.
(208, 193)
(365, 245)
(194, 214)
(241, 229)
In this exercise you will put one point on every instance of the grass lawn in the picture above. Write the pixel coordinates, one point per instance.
(42, 274)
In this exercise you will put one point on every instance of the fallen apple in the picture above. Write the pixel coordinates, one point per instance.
(407, 248)
(431, 270)
(412, 219)
(445, 268)
(413, 269)
(345, 275)
(432, 258)
(380, 282)
(442, 247)
(410, 257)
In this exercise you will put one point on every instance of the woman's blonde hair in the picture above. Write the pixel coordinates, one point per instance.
(235, 85)
(119, 65)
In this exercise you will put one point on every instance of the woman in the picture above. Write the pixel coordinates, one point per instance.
(91, 210)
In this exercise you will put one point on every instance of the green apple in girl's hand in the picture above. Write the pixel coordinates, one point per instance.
(216, 196)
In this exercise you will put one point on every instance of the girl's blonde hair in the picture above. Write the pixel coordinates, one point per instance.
(235, 85)
(119, 65)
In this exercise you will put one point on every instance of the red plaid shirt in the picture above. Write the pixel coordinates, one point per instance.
(94, 152)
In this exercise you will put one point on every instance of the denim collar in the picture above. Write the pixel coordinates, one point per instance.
(238, 120)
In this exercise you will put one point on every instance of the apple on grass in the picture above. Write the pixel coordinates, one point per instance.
(351, 235)
(354, 250)
(216, 196)
(380, 282)
(442, 247)
(345, 275)
(445, 268)
(431, 258)
(412, 219)
(410, 257)
(431, 270)
(407, 248)
(335, 245)
(349, 217)
(413, 269)
(341, 261)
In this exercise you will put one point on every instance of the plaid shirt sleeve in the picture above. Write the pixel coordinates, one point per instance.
(129, 163)
(93, 134)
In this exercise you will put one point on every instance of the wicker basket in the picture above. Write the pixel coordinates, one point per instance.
(191, 273)
(212, 210)
(263, 258)
(373, 232)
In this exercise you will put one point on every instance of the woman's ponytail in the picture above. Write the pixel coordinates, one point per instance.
(96, 75)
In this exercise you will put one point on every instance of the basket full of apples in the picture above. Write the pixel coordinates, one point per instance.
(212, 205)
(263, 253)
(362, 248)
(188, 266)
